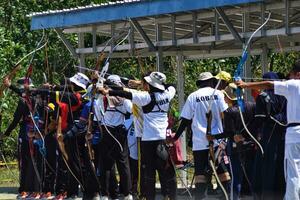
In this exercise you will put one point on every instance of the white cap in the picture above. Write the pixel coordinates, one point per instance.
(115, 79)
(157, 80)
(80, 80)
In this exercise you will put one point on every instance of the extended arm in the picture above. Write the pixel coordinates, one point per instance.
(256, 85)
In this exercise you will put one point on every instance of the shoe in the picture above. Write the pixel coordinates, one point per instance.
(23, 195)
(61, 196)
(30, 196)
(47, 196)
(128, 197)
(104, 198)
(37, 195)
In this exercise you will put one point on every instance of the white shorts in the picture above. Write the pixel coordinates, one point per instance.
(292, 171)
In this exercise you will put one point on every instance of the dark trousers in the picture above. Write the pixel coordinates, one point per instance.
(113, 182)
(69, 170)
(134, 174)
(50, 163)
(110, 154)
(28, 167)
(89, 175)
(202, 167)
(30, 163)
(152, 162)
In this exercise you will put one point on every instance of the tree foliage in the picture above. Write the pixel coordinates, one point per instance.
(16, 40)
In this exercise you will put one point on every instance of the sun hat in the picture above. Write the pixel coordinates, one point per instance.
(156, 79)
(205, 76)
(115, 79)
(80, 80)
(224, 76)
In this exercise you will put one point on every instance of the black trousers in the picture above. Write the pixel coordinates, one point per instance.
(30, 163)
(111, 153)
(152, 162)
(203, 168)
(50, 163)
(89, 175)
(69, 170)
(134, 174)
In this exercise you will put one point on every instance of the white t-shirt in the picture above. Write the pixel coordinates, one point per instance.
(114, 116)
(98, 108)
(291, 91)
(195, 109)
(155, 123)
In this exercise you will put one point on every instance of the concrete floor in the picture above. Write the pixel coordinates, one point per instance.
(10, 193)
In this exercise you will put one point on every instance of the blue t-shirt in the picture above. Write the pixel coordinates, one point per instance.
(85, 114)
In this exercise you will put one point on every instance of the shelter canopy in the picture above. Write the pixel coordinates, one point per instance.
(196, 29)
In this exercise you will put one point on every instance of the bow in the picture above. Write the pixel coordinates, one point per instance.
(211, 153)
(29, 104)
(102, 78)
(17, 67)
(60, 140)
(237, 76)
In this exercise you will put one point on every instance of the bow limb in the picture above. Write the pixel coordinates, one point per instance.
(237, 76)
(60, 139)
(218, 179)
(249, 133)
(10, 75)
(211, 143)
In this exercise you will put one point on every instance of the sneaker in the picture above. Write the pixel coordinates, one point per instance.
(34, 195)
(104, 198)
(47, 196)
(128, 197)
(37, 195)
(61, 196)
(22, 195)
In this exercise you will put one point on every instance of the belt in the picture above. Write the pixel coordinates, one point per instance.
(293, 124)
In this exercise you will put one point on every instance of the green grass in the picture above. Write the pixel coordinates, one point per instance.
(9, 177)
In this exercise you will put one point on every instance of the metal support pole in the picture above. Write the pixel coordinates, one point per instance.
(229, 24)
(66, 43)
(131, 40)
(180, 90)
(247, 67)
(217, 33)
(287, 17)
(159, 52)
(262, 16)
(112, 34)
(140, 30)
(195, 31)
(173, 21)
(81, 56)
(264, 58)
(94, 40)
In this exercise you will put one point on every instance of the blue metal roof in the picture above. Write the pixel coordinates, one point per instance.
(122, 10)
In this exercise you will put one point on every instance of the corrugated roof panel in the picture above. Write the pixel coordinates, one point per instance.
(121, 10)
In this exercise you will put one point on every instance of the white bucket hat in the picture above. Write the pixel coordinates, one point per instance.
(156, 79)
(80, 80)
(205, 76)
